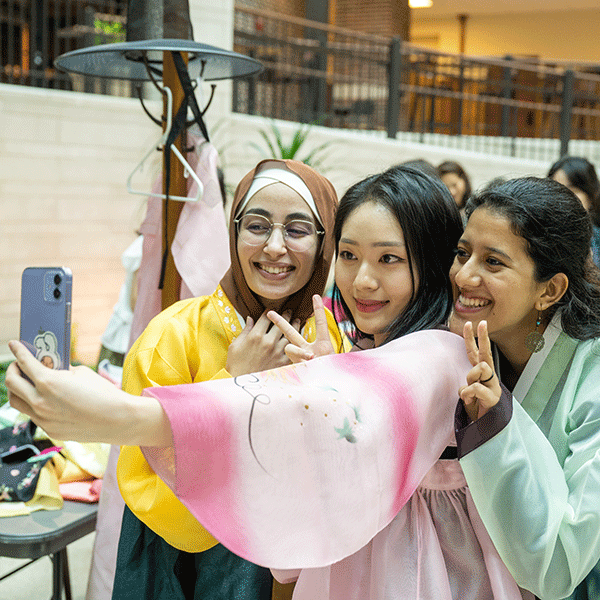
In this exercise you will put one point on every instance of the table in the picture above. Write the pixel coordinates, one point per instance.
(48, 533)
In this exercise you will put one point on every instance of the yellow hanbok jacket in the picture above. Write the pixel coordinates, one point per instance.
(186, 343)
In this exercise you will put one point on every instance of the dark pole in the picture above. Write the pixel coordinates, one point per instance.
(462, 19)
(177, 187)
(566, 112)
(394, 78)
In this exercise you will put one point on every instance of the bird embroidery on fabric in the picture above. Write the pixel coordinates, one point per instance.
(345, 432)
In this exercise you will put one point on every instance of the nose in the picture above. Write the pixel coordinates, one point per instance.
(275, 244)
(365, 278)
(467, 275)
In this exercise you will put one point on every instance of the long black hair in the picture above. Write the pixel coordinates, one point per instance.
(557, 230)
(431, 225)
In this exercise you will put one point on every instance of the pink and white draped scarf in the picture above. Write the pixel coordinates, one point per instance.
(301, 466)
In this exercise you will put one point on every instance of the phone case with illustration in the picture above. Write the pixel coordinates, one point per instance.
(46, 314)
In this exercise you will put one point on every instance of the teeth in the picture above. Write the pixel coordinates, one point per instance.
(473, 302)
(276, 270)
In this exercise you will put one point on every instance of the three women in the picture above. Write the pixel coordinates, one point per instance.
(532, 469)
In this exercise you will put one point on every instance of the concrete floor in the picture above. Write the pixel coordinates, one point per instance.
(35, 581)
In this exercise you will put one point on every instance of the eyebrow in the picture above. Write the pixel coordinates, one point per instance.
(488, 248)
(291, 217)
(375, 245)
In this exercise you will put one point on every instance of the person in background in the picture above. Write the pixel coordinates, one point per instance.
(457, 181)
(579, 175)
(420, 164)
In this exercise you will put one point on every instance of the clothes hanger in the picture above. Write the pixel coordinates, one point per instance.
(160, 146)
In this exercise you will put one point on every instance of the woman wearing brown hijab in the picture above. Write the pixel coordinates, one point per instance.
(281, 251)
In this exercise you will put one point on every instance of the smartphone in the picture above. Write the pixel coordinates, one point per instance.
(46, 314)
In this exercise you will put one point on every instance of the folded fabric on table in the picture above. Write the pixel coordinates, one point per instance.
(81, 491)
(38, 488)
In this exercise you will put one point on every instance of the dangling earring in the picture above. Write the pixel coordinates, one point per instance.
(534, 341)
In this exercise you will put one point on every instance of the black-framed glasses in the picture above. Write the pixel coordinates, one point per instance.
(298, 235)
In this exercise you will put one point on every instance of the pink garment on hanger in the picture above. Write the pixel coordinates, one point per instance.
(302, 466)
(201, 245)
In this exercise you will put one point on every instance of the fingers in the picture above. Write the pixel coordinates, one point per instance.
(16, 383)
(297, 354)
(322, 329)
(485, 346)
(28, 364)
(471, 343)
(18, 404)
(470, 402)
(289, 331)
(481, 372)
(248, 327)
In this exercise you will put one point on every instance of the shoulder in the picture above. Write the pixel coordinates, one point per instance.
(176, 319)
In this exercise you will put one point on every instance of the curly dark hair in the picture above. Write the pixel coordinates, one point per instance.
(558, 231)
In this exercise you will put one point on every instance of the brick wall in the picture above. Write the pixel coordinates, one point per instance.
(65, 159)
(285, 7)
(383, 17)
(379, 17)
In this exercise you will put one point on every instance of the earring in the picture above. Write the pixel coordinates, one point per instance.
(534, 341)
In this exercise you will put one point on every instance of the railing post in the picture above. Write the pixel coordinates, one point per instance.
(38, 56)
(461, 91)
(321, 104)
(566, 111)
(251, 108)
(506, 93)
(394, 78)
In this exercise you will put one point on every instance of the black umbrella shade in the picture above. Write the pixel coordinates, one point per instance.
(129, 60)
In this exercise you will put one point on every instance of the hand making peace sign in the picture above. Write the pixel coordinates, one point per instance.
(482, 391)
(299, 349)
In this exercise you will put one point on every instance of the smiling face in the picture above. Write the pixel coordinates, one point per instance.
(493, 279)
(273, 271)
(372, 270)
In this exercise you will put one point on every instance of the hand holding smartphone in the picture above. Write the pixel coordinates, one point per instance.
(46, 314)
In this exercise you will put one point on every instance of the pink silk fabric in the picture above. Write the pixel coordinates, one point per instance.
(201, 245)
(435, 548)
(302, 466)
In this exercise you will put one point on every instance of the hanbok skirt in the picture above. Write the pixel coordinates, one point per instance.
(436, 548)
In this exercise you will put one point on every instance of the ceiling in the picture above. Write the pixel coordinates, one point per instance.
(478, 7)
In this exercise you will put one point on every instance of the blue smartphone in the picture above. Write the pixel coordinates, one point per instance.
(46, 314)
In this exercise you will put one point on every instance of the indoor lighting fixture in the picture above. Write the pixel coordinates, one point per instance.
(420, 3)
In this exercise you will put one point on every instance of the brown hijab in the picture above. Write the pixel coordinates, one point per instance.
(300, 303)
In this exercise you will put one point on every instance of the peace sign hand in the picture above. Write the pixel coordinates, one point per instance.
(299, 349)
(482, 391)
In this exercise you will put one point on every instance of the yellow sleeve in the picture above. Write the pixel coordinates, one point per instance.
(339, 339)
(181, 345)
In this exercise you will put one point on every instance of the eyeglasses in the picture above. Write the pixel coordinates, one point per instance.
(255, 230)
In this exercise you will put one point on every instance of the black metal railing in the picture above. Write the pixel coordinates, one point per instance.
(34, 32)
(340, 78)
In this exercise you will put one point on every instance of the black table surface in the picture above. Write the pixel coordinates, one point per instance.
(45, 532)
